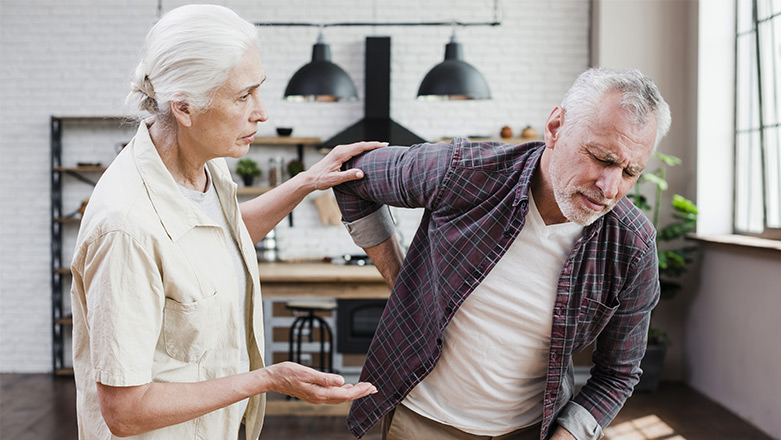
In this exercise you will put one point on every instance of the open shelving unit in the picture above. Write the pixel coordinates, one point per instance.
(60, 272)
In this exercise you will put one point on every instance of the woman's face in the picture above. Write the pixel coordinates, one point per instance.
(228, 127)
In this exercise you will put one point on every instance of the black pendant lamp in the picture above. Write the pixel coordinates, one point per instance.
(454, 78)
(320, 80)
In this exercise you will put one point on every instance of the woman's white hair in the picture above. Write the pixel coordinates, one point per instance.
(639, 98)
(187, 56)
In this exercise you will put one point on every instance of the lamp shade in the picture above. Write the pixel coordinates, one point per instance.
(320, 80)
(454, 78)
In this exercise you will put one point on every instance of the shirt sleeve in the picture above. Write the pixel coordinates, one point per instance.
(373, 229)
(125, 301)
(619, 349)
(579, 422)
(395, 176)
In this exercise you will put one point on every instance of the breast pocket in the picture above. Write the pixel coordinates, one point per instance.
(592, 319)
(190, 329)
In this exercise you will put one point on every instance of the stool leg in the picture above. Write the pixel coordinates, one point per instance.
(325, 333)
(295, 337)
(304, 322)
(311, 320)
(330, 348)
(321, 324)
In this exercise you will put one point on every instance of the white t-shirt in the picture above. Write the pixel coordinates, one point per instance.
(491, 375)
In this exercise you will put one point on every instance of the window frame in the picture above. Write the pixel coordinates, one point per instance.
(741, 170)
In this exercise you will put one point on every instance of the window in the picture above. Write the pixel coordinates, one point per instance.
(758, 118)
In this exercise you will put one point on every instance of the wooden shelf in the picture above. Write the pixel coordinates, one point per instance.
(68, 320)
(93, 118)
(286, 140)
(82, 169)
(253, 190)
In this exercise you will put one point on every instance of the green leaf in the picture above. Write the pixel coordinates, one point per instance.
(672, 232)
(247, 167)
(658, 181)
(689, 218)
(667, 159)
(683, 204)
(662, 261)
(674, 259)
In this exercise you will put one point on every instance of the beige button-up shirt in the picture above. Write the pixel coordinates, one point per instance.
(154, 293)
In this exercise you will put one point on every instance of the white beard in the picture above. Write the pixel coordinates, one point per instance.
(568, 199)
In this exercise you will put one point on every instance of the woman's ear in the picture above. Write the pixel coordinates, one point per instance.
(181, 111)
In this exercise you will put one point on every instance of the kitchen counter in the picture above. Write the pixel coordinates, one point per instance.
(321, 280)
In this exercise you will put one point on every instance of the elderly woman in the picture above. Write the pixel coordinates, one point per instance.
(166, 298)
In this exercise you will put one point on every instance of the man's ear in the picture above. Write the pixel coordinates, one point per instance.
(553, 126)
(181, 111)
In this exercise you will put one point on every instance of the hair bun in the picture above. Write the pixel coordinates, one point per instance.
(149, 103)
(148, 89)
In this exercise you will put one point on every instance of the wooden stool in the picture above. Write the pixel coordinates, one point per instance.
(309, 319)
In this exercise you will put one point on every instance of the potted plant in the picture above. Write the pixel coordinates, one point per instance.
(673, 258)
(248, 169)
(294, 167)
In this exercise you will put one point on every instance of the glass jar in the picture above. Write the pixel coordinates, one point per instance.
(275, 171)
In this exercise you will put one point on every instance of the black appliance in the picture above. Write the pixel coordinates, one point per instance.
(356, 322)
(376, 124)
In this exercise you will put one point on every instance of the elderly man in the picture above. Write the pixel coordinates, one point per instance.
(525, 255)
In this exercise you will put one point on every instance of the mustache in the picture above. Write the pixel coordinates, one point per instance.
(595, 196)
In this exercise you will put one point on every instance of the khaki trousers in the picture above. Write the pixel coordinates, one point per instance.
(404, 424)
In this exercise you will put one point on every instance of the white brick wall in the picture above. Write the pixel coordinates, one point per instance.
(75, 57)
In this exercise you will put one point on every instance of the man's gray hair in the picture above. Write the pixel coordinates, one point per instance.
(639, 98)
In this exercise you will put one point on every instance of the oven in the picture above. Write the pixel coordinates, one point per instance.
(356, 322)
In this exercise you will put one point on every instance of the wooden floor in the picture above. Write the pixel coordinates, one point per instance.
(41, 407)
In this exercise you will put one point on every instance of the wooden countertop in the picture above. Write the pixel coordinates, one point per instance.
(317, 273)
(321, 280)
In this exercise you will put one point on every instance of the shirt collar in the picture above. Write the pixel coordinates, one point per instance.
(177, 214)
(522, 192)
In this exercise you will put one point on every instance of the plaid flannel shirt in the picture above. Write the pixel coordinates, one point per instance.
(475, 196)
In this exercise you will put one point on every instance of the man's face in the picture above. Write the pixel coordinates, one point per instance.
(595, 164)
